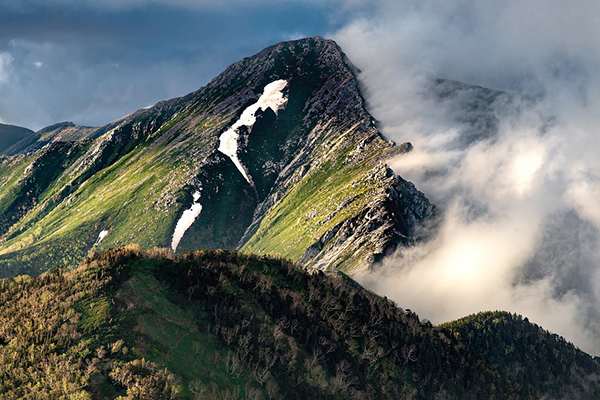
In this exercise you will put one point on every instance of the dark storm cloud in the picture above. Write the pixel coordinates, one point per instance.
(92, 63)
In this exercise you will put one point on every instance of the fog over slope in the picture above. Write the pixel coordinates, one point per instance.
(521, 205)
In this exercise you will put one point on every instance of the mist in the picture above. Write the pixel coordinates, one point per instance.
(514, 171)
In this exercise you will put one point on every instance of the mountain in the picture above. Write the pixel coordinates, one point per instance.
(275, 155)
(275, 159)
(10, 135)
(529, 354)
(60, 132)
(474, 108)
(221, 324)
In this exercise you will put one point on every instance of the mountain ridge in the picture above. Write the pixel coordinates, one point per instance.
(221, 324)
(320, 192)
(10, 135)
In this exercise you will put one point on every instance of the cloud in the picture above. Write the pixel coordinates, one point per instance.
(162, 50)
(516, 174)
(5, 67)
(117, 5)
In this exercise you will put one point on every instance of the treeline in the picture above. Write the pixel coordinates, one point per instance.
(58, 339)
(530, 354)
(259, 327)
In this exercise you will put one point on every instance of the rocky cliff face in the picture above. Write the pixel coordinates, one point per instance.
(474, 108)
(276, 155)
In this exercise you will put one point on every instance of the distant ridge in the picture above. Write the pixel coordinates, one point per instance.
(11, 134)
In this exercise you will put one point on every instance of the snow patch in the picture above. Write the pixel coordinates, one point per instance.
(101, 237)
(272, 98)
(186, 220)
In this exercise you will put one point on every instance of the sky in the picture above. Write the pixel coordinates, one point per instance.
(519, 214)
(92, 62)
(519, 207)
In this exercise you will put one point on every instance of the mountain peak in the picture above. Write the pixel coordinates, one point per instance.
(277, 154)
(10, 135)
(53, 127)
(286, 60)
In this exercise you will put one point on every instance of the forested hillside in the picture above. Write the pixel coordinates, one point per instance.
(530, 354)
(220, 324)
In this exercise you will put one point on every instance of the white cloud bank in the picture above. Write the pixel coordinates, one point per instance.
(521, 206)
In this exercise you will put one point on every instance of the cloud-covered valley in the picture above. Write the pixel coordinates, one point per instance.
(514, 171)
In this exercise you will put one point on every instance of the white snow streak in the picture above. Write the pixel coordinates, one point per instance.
(101, 236)
(185, 221)
(272, 98)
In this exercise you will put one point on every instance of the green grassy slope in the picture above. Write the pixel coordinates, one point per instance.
(57, 200)
(336, 189)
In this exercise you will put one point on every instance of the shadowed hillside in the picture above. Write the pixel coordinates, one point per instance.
(10, 135)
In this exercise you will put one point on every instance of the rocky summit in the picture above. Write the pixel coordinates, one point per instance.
(275, 155)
